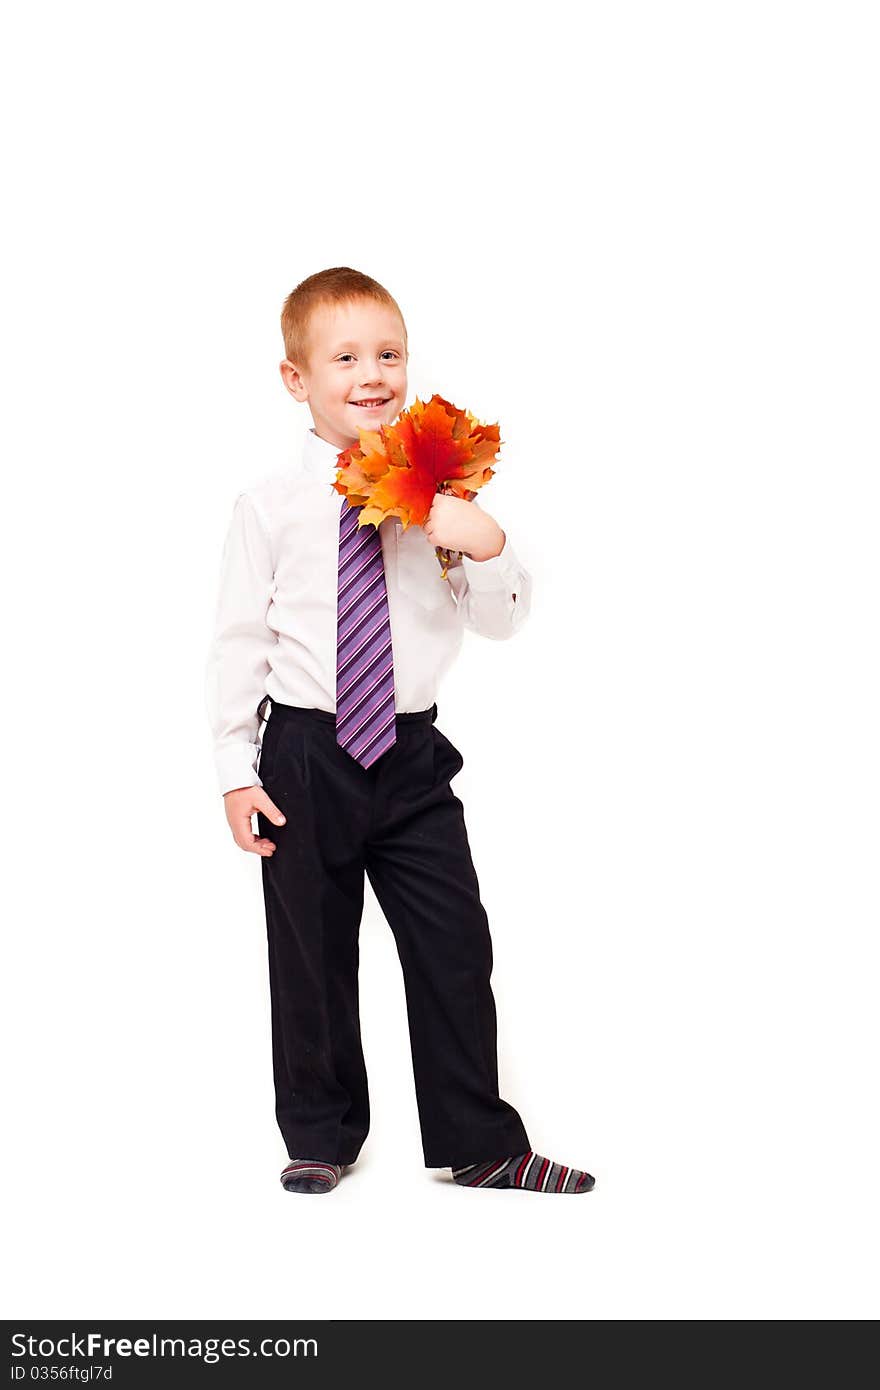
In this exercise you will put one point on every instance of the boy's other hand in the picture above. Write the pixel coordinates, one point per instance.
(240, 806)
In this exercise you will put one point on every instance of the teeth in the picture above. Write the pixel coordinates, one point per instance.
(367, 403)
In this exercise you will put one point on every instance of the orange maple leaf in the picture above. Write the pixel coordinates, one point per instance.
(398, 469)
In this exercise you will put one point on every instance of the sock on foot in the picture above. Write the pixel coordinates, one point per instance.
(311, 1175)
(528, 1170)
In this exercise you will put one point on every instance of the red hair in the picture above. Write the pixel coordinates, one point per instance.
(339, 285)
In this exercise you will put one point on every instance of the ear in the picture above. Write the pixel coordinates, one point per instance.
(293, 380)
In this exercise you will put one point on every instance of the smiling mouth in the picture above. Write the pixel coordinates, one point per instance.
(373, 404)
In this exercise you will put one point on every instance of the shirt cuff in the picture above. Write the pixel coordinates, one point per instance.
(501, 571)
(235, 767)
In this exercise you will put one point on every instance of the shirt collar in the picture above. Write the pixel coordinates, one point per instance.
(320, 458)
(321, 461)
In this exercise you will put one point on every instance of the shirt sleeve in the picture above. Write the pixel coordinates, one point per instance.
(238, 659)
(493, 596)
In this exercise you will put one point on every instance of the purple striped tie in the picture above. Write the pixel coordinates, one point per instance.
(365, 723)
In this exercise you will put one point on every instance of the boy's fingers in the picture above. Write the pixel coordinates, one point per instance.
(246, 839)
(268, 808)
(263, 847)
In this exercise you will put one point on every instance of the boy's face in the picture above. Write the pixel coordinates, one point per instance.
(357, 353)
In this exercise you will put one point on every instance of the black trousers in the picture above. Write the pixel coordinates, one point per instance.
(400, 822)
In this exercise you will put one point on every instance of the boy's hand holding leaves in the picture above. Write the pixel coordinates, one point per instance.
(453, 523)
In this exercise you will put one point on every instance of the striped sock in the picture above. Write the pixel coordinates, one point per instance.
(311, 1175)
(528, 1170)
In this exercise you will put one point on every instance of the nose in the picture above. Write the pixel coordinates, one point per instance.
(376, 378)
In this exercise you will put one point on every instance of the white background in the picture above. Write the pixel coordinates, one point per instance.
(647, 246)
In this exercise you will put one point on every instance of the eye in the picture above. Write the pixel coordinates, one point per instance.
(389, 352)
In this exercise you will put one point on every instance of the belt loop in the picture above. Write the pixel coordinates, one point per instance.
(260, 710)
(434, 714)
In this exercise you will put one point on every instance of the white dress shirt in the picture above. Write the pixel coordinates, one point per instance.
(275, 628)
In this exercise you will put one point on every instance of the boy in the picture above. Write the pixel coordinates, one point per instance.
(347, 632)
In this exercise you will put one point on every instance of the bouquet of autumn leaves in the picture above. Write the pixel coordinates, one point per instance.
(398, 469)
